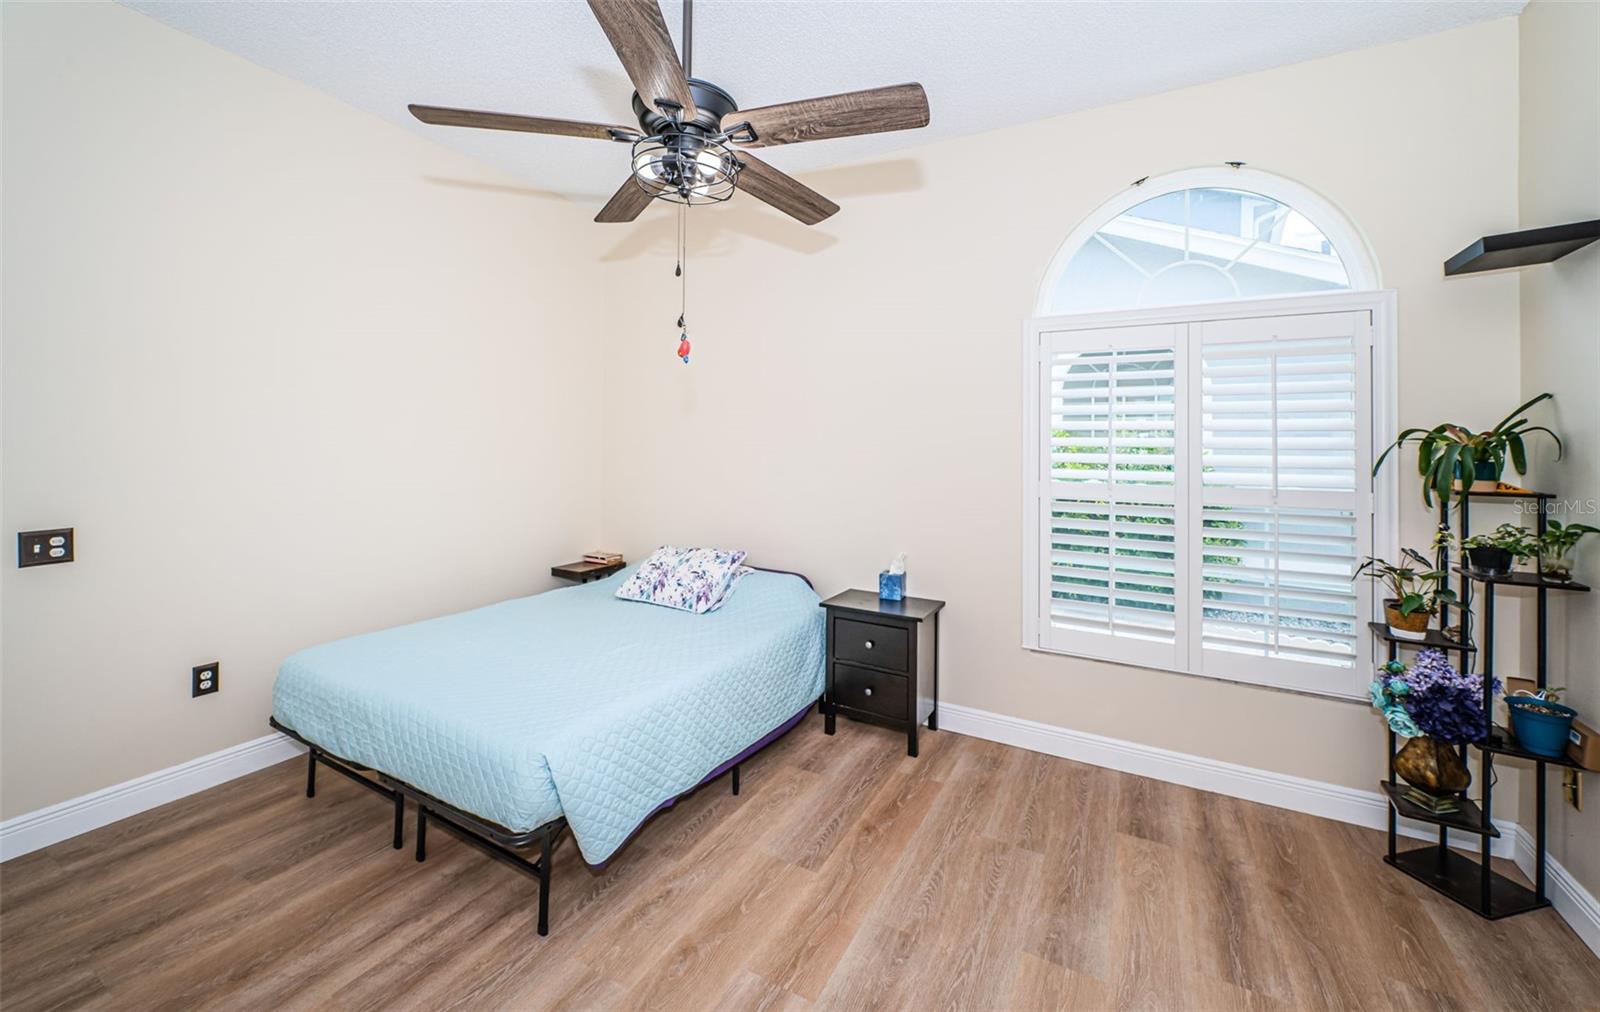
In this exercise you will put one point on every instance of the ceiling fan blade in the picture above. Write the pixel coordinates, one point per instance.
(874, 111)
(527, 124)
(783, 191)
(639, 35)
(626, 203)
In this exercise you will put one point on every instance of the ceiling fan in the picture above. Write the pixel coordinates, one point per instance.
(683, 147)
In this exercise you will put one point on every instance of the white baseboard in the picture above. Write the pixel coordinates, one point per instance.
(27, 833)
(1314, 797)
(1576, 905)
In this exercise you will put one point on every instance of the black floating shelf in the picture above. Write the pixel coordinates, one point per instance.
(1434, 638)
(1502, 742)
(1460, 878)
(1521, 579)
(1468, 818)
(1522, 249)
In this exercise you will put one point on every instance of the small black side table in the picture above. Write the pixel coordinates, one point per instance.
(583, 572)
(883, 662)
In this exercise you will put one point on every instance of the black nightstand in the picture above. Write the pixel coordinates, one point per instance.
(583, 572)
(883, 662)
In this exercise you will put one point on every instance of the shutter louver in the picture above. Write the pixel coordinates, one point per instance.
(1276, 583)
(1112, 417)
(1278, 490)
(1112, 566)
(1113, 569)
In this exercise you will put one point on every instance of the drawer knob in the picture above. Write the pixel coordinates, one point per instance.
(869, 692)
(869, 644)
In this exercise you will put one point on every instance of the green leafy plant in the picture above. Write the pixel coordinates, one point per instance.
(1414, 584)
(1555, 546)
(1448, 450)
(1558, 540)
(1514, 539)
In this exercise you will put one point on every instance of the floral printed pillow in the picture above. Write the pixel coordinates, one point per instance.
(689, 579)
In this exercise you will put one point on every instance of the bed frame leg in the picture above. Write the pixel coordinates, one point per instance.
(544, 884)
(736, 779)
(311, 773)
(422, 832)
(399, 820)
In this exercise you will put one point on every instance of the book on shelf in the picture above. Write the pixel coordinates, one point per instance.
(602, 558)
(1437, 804)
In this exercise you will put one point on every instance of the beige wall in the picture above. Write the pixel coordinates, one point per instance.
(856, 388)
(291, 372)
(393, 357)
(1560, 182)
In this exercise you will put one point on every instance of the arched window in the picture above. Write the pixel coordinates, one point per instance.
(1205, 235)
(1206, 376)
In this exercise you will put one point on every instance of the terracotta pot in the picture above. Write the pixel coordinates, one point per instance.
(1412, 627)
(1434, 766)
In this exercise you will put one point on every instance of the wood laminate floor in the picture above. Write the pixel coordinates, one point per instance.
(844, 876)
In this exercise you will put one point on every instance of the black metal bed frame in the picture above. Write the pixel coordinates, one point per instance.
(493, 839)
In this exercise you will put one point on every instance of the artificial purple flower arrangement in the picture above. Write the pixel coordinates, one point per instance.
(1431, 699)
(1439, 709)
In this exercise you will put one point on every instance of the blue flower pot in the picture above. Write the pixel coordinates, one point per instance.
(1540, 733)
(1482, 470)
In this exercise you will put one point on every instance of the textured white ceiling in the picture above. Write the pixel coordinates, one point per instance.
(984, 64)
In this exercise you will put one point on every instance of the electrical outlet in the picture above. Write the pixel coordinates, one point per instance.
(1572, 788)
(207, 679)
(44, 548)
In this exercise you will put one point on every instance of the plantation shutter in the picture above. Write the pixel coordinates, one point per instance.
(1282, 458)
(1201, 493)
(1108, 506)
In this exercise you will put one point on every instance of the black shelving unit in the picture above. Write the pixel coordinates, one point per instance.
(1475, 884)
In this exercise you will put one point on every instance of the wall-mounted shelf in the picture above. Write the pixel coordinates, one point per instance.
(1523, 249)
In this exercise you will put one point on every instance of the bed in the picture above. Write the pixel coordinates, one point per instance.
(566, 710)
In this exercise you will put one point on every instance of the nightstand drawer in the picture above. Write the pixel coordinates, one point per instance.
(873, 691)
(882, 646)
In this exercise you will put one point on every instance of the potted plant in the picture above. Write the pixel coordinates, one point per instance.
(1439, 709)
(1555, 547)
(1416, 589)
(1540, 722)
(1450, 453)
(1492, 554)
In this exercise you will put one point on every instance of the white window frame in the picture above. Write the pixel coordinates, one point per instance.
(1384, 516)
(1361, 268)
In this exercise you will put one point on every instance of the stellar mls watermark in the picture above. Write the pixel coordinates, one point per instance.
(1559, 507)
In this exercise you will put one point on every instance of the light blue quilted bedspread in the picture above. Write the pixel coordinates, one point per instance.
(569, 702)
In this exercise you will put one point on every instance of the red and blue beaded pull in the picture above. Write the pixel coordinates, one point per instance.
(683, 276)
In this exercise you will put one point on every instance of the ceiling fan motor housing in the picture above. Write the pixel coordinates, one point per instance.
(711, 104)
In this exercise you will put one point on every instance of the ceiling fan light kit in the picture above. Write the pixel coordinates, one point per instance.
(687, 162)
(683, 151)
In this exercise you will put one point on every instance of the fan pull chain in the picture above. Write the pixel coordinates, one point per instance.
(682, 273)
